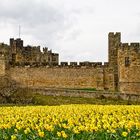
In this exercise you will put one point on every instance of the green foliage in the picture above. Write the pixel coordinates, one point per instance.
(6, 134)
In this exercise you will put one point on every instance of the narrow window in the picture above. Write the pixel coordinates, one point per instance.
(127, 61)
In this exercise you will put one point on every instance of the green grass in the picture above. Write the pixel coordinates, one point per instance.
(61, 100)
(27, 97)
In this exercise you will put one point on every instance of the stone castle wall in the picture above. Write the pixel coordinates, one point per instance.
(121, 73)
(22, 55)
(108, 78)
(129, 67)
(2, 65)
(59, 77)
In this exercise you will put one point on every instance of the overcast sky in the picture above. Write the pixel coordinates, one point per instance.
(76, 29)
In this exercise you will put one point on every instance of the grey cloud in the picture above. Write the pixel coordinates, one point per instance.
(40, 17)
(73, 28)
(30, 13)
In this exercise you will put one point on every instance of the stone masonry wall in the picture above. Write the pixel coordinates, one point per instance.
(129, 68)
(2, 65)
(114, 40)
(61, 77)
(108, 78)
(121, 73)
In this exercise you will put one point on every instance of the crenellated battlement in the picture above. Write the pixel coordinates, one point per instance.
(112, 34)
(106, 64)
(130, 47)
(67, 65)
(64, 64)
(81, 64)
(73, 63)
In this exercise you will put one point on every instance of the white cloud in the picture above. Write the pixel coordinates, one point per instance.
(77, 29)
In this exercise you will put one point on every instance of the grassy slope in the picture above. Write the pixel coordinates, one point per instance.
(60, 100)
(25, 96)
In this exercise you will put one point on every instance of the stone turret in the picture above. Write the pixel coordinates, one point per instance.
(16, 47)
(114, 41)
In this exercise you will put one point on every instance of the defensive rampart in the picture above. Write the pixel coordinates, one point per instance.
(121, 73)
(62, 77)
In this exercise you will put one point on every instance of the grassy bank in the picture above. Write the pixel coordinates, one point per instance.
(60, 100)
(28, 97)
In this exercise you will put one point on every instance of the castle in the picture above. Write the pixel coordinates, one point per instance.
(31, 68)
(17, 54)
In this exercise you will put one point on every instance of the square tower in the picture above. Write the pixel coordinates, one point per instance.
(114, 41)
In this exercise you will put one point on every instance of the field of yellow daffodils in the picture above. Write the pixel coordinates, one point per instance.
(71, 122)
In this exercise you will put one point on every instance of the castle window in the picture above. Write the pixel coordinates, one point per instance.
(53, 59)
(127, 61)
(49, 59)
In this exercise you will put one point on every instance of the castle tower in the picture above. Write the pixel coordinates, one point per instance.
(16, 47)
(129, 67)
(114, 41)
(16, 44)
